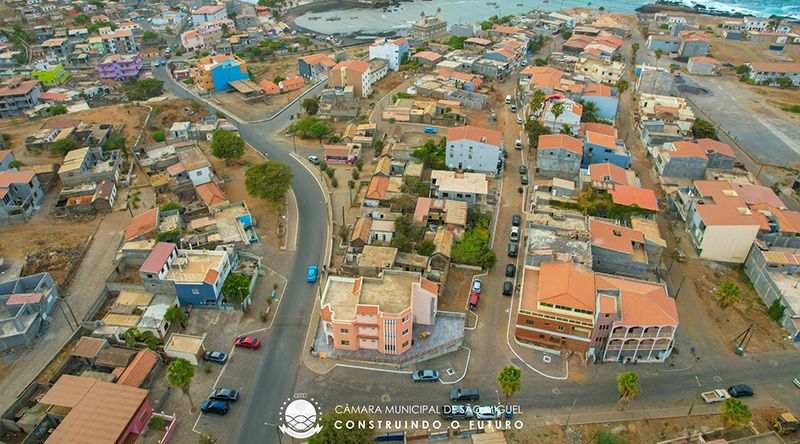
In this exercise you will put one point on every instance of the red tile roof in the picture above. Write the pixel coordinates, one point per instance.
(211, 194)
(614, 237)
(475, 134)
(629, 196)
(560, 141)
(142, 224)
(377, 187)
(158, 257)
(137, 371)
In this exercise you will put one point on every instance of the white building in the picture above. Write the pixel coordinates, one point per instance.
(570, 116)
(770, 71)
(473, 148)
(755, 24)
(205, 14)
(392, 51)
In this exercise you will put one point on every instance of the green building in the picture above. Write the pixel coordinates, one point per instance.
(50, 74)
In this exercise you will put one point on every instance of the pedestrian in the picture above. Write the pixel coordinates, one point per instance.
(635, 360)
(694, 351)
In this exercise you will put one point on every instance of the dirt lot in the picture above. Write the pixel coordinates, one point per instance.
(456, 289)
(167, 112)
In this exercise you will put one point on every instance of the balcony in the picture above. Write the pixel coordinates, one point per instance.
(665, 334)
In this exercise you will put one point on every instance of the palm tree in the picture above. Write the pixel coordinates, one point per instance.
(557, 109)
(590, 111)
(628, 387)
(509, 380)
(659, 53)
(735, 413)
(537, 99)
(179, 375)
(728, 293)
(175, 315)
(622, 85)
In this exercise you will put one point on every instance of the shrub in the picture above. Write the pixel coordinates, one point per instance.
(159, 136)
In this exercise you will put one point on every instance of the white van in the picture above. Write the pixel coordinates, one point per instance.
(508, 99)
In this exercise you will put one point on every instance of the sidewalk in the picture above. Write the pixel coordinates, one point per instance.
(631, 413)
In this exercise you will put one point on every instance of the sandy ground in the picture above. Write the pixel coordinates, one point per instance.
(167, 112)
(456, 289)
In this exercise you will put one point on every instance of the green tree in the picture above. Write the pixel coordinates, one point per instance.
(776, 311)
(635, 48)
(473, 248)
(170, 206)
(509, 378)
(622, 85)
(590, 111)
(404, 203)
(556, 109)
(81, 19)
(57, 109)
(425, 247)
(15, 164)
(236, 287)
(703, 129)
(174, 315)
(149, 35)
(784, 82)
(226, 145)
(486, 25)
(415, 186)
(278, 79)
(63, 146)
(743, 70)
(456, 42)
(728, 293)
(179, 375)
(311, 128)
(566, 35)
(142, 89)
(114, 143)
(431, 154)
(159, 136)
(607, 437)
(331, 434)
(673, 67)
(311, 105)
(735, 413)
(537, 100)
(268, 180)
(565, 129)
(628, 387)
(535, 129)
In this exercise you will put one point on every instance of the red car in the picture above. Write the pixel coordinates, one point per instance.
(247, 342)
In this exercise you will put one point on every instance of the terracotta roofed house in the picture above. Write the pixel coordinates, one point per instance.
(473, 148)
(559, 155)
(617, 249)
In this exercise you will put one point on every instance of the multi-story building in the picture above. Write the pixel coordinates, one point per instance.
(755, 24)
(602, 148)
(56, 50)
(779, 226)
(665, 43)
(119, 42)
(355, 73)
(603, 71)
(559, 155)
(208, 13)
(428, 27)
(545, 78)
(191, 40)
(604, 97)
(693, 44)
(17, 96)
(704, 66)
(474, 148)
(690, 159)
(774, 272)
(195, 276)
(48, 74)
(472, 188)
(617, 249)
(393, 51)
(769, 72)
(666, 109)
(20, 194)
(27, 302)
(90, 164)
(564, 307)
(570, 116)
(214, 73)
(377, 313)
(316, 66)
(120, 67)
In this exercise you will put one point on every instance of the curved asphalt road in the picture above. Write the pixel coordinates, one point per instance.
(284, 342)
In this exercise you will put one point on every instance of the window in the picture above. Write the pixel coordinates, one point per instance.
(199, 173)
(344, 331)
(345, 342)
(195, 291)
(149, 275)
(560, 328)
(405, 332)
(405, 344)
(405, 319)
(528, 322)
(388, 347)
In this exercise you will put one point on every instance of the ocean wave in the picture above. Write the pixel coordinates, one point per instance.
(756, 9)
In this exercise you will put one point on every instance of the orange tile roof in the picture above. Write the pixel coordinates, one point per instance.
(475, 134)
(614, 237)
(358, 66)
(642, 303)
(597, 89)
(137, 371)
(478, 41)
(319, 59)
(377, 187)
(608, 172)
(629, 196)
(427, 55)
(292, 83)
(211, 194)
(142, 224)
(505, 29)
(780, 67)
(601, 139)
(560, 141)
(600, 128)
(429, 286)
(10, 177)
(269, 87)
(211, 277)
(88, 347)
(566, 284)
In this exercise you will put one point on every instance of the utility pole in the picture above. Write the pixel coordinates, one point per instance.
(683, 279)
(699, 387)
(294, 144)
(569, 415)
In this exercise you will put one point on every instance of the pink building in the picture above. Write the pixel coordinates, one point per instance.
(120, 67)
(377, 313)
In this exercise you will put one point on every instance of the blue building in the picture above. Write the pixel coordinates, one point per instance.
(215, 73)
(604, 97)
(26, 304)
(602, 148)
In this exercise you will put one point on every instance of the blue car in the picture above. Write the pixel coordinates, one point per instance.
(429, 130)
(311, 275)
(214, 406)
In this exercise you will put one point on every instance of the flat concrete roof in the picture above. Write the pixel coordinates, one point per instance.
(392, 293)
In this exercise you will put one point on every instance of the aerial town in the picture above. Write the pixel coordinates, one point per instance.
(230, 221)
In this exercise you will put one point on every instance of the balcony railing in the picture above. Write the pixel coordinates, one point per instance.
(662, 334)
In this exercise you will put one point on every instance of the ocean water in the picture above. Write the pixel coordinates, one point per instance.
(373, 20)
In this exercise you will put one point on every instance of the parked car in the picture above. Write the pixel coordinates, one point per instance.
(515, 220)
(508, 288)
(247, 342)
(524, 63)
(311, 274)
(519, 120)
(513, 108)
(425, 376)
(214, 406)
(796, 382)
(474, 297)
(486, 412)
(429, 130)
(511, 270)
(224, 394)
(451, 412)
(518, 144)
(215, 356)
(523, 169)
(512, 250)
(465, 394)
(477, 285)
(523, 179)
(740, 391)
(313, 159)
(514, 235)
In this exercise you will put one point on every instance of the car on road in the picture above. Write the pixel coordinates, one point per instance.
(486, 412)
(311, 274)
(247, 342)
(515, 220)
(796, 382)
(740, 391)
(214, 406)
(513, 108)
(429, 130)
(224, 394)
(477, 285)
(523, 179)
(511, 270)
(451, 412)
(518, 144)
(512, 250)
(508, 288)
(425, 376)
(514, 234)
(465, 394)
(313, 159)
(523, 169)
(215, 356)
(519, 120)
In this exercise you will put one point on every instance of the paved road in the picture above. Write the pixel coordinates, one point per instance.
(276, 373)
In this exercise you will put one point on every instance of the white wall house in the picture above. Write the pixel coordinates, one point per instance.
(392, 51)
(205, 14)
(473, 148)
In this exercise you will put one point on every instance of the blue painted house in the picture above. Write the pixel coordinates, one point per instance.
(214, 73)
(605, 99)
(602, 148)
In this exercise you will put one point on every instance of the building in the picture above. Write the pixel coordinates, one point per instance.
(779, 227)
(377, 313)
(48, 74)
(20, 194)
(56, 50)
(617, 249)
(564, 307)
(602, 148)
(393, 51)
(119, 42)
(755, 24)
(355, 73)
(428, 27)
(26, 303)
(474, 148)
(603, 71)
(703, 66)
(545, 78)
(604, 97)
(214, 73)
(770, 72)
(630, 196)
(693, 44)
(191, 40)
(192, 165)
(570, 116)
(690, 159)
(86, 165)
(665, 43)
(291, 83)
(450, 213)
(774, 272)
(18, 96)
(96, 412)
(315, 67)
(559, 155)
(670, 110)
(120, 67)
(208, 13)
(472, 188)
(344, 154)
(195, 276)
